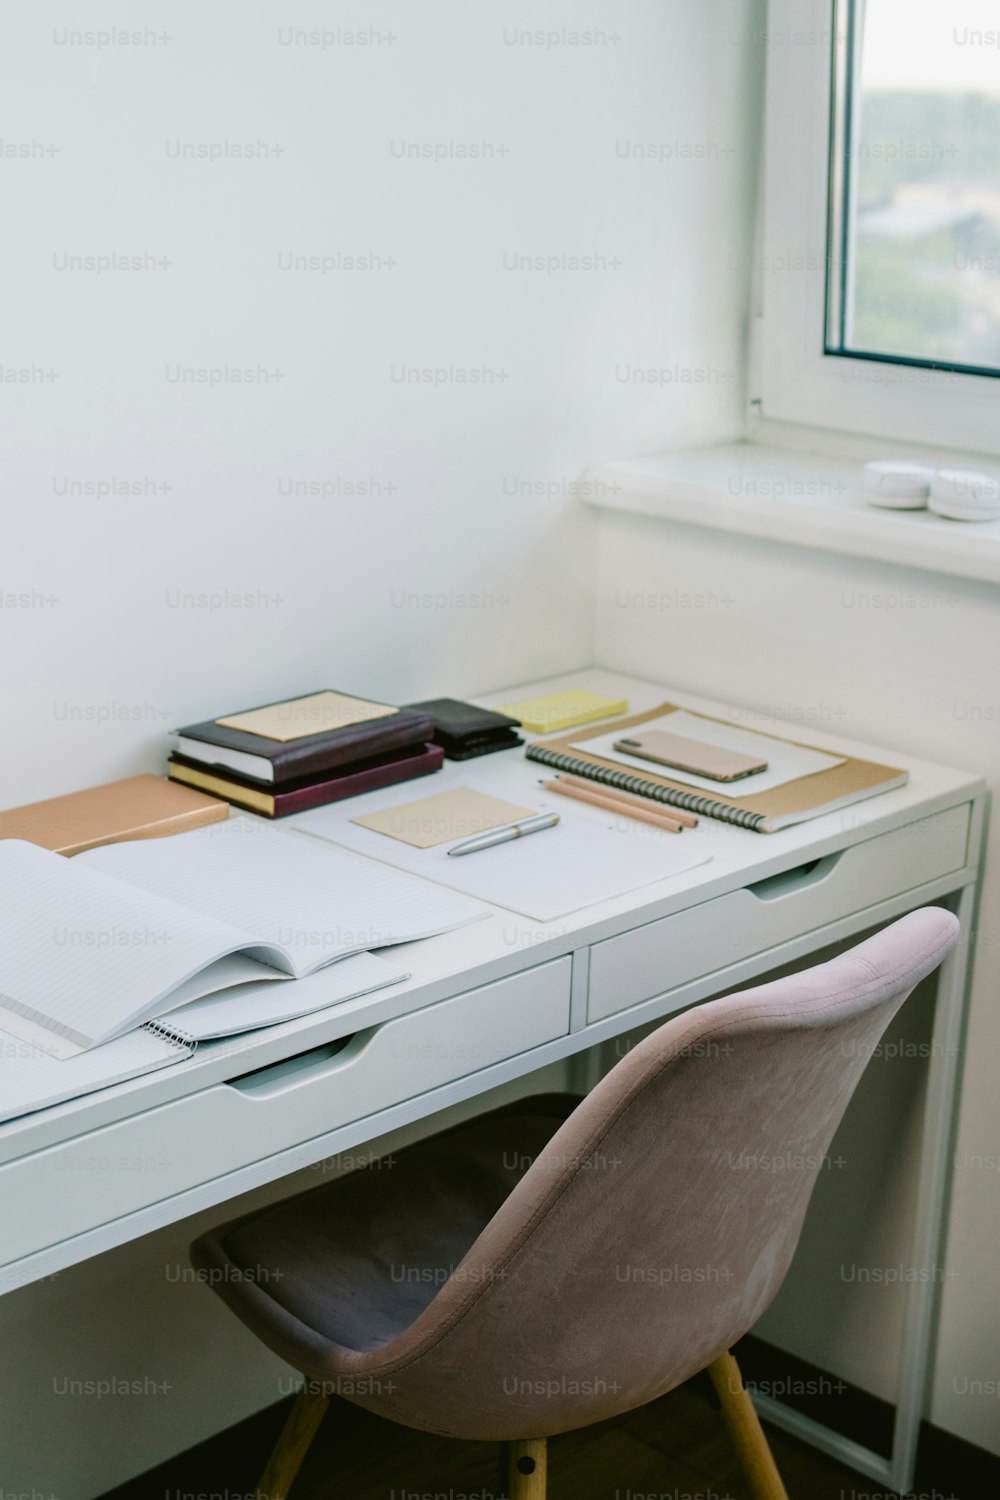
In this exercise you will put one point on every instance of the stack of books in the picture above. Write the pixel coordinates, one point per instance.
(304, 752)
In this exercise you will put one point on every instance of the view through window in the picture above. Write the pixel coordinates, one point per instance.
(914, 250)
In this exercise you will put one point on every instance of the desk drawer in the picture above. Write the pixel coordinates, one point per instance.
(68, 1189)
(645, 962)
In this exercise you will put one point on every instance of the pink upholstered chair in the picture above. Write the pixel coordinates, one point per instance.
(558, 1262)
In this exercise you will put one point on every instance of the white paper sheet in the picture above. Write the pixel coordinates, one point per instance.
(589, 856)
(785, 761)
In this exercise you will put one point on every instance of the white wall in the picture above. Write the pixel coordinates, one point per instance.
(467, 565)
(907, 660)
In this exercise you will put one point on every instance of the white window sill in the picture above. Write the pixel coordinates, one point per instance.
(803, 499)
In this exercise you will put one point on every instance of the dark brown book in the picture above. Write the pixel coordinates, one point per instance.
(293, 748)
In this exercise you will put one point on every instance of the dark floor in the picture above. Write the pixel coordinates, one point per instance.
(675, 1449)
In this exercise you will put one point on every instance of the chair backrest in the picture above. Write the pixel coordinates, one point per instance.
(658, 1223)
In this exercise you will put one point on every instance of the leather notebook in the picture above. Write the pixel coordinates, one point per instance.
(140, 807)
(281, 742)
(464, 730)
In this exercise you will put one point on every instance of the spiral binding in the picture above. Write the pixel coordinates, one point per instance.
(169, 1034)
(705, 807)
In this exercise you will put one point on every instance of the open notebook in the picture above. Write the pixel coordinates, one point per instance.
(95, 946)
(32, 1078)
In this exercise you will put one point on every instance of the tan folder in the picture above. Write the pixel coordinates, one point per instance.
(807, 797)
(140, 807)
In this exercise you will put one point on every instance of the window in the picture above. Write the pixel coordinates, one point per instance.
(914, 229)
(879, 278)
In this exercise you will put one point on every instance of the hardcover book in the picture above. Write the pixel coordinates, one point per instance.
(300, 796)
(301, 737)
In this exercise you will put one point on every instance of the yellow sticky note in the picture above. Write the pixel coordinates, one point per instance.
(318, 713)
(445, 818)
(563, 710)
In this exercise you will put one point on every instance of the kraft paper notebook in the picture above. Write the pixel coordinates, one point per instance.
(95, 946)
(847, 781)
(316, 713)
(445, 818)
(140, 807)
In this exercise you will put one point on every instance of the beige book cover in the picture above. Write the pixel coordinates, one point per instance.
(140, 807)
(317, 713)
(445, 818)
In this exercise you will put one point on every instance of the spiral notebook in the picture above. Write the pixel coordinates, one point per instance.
(850, 780)
(33, 1076)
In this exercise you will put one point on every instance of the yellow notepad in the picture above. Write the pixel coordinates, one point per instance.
(563, 710)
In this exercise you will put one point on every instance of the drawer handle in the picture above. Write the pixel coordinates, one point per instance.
(798, 879)
(304, 1067)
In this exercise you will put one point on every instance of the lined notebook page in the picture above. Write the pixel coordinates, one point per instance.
(319, 903)
(30, 1079)
(234, 972)
(252, 1005)
(86, 955)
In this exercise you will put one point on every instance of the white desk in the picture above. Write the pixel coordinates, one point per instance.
(504, 997)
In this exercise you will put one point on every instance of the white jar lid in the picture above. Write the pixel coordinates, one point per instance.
(967, 488)
(890, 476)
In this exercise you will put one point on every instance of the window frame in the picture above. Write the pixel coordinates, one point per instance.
(796, 378)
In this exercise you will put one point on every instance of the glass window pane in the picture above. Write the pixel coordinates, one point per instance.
(921, 175)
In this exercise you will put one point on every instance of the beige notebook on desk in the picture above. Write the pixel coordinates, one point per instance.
(140, 807)
(444, 818)
(848, 781)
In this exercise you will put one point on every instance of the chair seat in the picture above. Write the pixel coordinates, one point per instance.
(356, 1261)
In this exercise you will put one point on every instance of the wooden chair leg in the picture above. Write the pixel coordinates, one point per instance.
(745, 1431)
(527, 1468)
(292, 1446)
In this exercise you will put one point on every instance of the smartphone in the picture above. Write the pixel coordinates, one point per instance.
(680, 754)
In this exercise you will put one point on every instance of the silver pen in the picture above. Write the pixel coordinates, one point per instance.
(505, 834)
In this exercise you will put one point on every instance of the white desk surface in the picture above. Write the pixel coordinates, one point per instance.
(490, 950)
(927, 838)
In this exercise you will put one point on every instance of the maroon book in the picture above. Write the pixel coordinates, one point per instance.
(300, 796)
